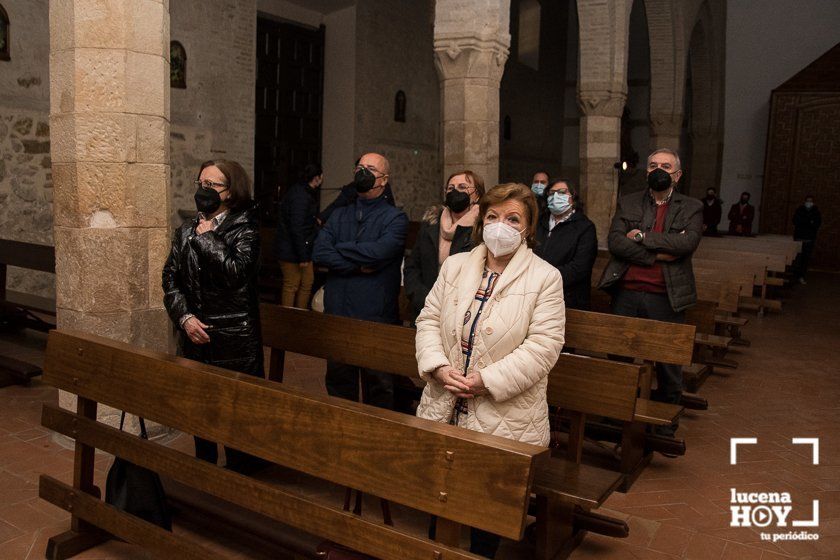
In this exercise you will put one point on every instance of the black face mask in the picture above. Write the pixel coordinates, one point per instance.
(364, 180)
(659, 180)
(457, 201)
(207, 201)
(745, 200)
(710, 196)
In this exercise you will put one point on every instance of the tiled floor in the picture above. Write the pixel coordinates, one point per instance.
(786, 386)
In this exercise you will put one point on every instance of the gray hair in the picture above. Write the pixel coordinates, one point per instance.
(668, 151)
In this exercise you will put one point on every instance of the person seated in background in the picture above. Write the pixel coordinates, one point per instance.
(741, 216)
(566, 240)
(491, 330)
(362, 247)
(210, 285)
(445, 230)
(296, 230)
(712, 212)
(347, 196)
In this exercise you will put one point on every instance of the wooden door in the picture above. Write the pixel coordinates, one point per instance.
(290, 70)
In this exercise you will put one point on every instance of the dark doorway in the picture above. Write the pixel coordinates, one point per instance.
(289, 101)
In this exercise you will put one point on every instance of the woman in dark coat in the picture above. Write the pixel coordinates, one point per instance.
(566, 239)
(210, 283)
(296, 231)
(445, 230)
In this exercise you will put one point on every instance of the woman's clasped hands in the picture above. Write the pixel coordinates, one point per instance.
(466, 387)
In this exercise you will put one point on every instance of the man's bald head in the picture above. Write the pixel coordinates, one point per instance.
(381, 169)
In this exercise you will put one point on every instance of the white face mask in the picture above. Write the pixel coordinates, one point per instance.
(501, 239)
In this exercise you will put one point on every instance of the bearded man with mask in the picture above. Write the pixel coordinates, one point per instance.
(362, 246)
(444, 231)
(651, 240)
(210, 285)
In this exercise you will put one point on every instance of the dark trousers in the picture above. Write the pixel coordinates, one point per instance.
(342, 381)
(482, 543)
(236, 460)
(646, 305)
(800, 265)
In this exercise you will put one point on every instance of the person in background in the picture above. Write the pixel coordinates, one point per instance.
(296, 230)
(491, 330)
(444, 231)
(712, 212)
(806, 222)
(741, 216)
(347, 196)
(566, 239)
(362, 247)
(210, 285)
(538, 185)
(651, 240)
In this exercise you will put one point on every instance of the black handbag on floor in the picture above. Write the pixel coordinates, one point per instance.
(137, 490)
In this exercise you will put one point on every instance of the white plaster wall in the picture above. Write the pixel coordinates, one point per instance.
(767, 43)
(339, 101)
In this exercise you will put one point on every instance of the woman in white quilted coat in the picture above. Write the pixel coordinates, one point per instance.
(493, 326)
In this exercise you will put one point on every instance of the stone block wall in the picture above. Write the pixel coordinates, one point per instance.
(26, 191)
(213, 118)
(394, 51)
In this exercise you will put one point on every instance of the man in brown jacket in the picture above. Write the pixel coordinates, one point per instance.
(651, 240)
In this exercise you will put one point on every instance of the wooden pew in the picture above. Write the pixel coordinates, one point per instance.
(712, 296)
(20, 310)
(578, 385)
(391, 348)
(428, 466)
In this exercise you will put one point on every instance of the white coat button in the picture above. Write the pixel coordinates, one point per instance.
(488, 330)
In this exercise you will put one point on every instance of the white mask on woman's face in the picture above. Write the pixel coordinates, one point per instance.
(501, 239)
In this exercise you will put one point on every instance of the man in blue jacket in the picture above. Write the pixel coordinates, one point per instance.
(362, 245)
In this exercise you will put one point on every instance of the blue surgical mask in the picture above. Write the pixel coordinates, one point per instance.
(538, 188)
(809, 205)
(559, 203)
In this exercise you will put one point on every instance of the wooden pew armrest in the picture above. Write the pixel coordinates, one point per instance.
(581, 485)
(712, 340)
(656, 413)
(731, 321)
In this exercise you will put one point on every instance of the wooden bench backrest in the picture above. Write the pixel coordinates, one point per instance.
(578, 383)
(655, 341)
(606, 389)
(27, 255)
(432, 467)
(776, 263)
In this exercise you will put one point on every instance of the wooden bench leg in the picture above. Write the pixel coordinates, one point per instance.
(634, 458)
(70, 543)
(448, 532)
(556, 537)
(82, 535)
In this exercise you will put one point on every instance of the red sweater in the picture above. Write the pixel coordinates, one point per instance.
(648, 278)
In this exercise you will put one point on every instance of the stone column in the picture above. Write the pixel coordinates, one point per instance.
(602, 92)
(665, 132)
(109, 116)
(471, 47)
(600, 149)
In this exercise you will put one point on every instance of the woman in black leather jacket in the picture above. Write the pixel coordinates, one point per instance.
(210, 282)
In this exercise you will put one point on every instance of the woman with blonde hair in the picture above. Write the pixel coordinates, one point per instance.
(491, 330)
